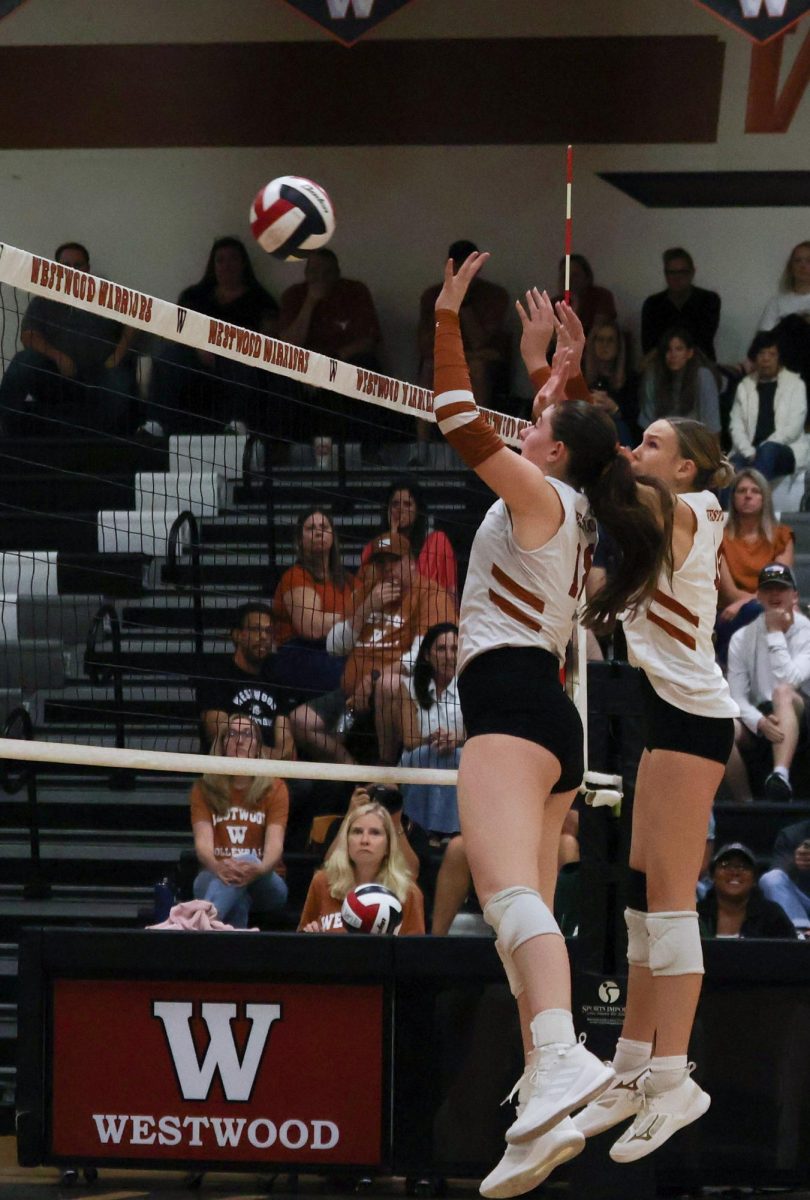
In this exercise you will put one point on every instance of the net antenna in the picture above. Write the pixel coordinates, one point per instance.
(569, 224)
(598, 788)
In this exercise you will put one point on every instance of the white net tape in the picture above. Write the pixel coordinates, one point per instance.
(21, 750)
(43, 277)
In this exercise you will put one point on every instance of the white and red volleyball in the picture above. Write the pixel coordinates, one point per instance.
(371, 908)
(292, 216)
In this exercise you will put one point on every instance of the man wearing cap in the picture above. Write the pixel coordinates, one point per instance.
(769, 677)
(393, 605)
(734, 905)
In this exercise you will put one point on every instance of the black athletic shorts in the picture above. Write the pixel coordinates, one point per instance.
(516, 690)
(669, 728)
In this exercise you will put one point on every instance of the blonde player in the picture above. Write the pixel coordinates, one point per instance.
(523, 760)
(689, 737)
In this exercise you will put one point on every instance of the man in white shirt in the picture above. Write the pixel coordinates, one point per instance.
(769, 677)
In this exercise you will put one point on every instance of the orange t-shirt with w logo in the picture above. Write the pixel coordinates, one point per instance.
(241, 830)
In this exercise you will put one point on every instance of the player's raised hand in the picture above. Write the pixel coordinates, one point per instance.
(570, 334)
(553, 390)
(538, 322)
(456, 283)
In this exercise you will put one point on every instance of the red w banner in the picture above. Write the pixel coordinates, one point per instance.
(217, 1072)
(347, 20)
(761, 20)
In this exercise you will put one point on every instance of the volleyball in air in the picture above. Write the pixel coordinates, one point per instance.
(291, 217)
(371, 908)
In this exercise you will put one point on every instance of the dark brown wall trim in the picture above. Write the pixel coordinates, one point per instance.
(512, 91)
(714, 189)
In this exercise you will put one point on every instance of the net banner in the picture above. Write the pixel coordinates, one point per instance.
(43, 277)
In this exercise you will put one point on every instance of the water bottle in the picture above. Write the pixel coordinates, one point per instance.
(164, 899)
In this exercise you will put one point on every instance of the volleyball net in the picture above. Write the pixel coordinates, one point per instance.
(158, 465)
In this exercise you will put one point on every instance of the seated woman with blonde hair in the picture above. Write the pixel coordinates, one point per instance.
(366, 850)
(239, 823)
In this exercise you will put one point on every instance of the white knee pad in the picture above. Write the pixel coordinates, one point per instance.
(638, 938)
(516, 986)
(517, 914)
(675, 947)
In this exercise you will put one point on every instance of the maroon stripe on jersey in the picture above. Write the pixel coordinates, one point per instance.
(512, 610)
(515, 588)
(676, 607)
(673, 631)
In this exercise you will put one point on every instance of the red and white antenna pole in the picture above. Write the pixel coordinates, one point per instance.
(569, 184)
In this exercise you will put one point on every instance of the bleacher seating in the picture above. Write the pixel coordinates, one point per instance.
(99, 526)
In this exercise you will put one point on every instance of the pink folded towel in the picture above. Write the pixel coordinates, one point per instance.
(199, 916)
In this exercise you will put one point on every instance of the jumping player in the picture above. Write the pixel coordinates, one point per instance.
(688, 740)
(523, 760)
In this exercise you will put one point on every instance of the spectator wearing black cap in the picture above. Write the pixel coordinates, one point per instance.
(734, 906)
(487, 344)
(769, 677)
(769, 413)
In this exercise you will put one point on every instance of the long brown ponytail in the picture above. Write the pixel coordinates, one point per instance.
(642, 537)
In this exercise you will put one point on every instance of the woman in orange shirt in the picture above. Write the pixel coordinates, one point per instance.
(404, 512)
(366, 850)
(752, 539)
(311, 597)
(239, 823)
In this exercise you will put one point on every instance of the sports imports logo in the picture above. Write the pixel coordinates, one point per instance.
(609, 991)
(761, 20)
(348, 20)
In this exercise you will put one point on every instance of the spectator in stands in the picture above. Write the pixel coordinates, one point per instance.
(310, 598)
(432, 729)
(484, 332)
(751, 539)
(735, 906)
(75, 373)
(793, 296)
(196, 391)
(412, 839)
(769, 413)
(336, 317)
(453, 885)
(331, 315)
(592, 304)
(613, 385)
(681, 305)
(392, 606)
(788, 881)
(769, 677)
(238, 823)
(248, 684)
(404, 511)
(366, 850)
(679, 381)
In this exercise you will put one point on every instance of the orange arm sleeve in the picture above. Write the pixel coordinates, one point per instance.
(454, 407)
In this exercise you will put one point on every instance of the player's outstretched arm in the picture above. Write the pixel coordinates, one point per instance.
(520, 483)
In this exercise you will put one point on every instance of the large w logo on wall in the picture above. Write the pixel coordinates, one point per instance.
(762, 20)
(347, 20)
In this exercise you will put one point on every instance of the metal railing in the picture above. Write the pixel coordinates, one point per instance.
(14, 776)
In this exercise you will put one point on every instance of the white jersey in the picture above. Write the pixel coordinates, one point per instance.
(515, 597)
(670, 637)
